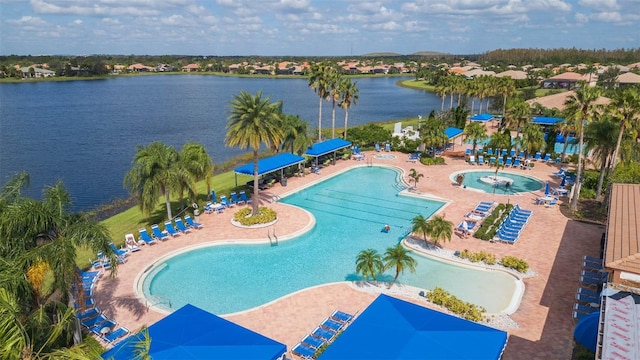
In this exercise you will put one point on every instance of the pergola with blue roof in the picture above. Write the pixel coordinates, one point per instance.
(482, 117)
(452, 133)
(192, 333)
(326, 147)
(541, 120)
(391, 328)
(270, 164)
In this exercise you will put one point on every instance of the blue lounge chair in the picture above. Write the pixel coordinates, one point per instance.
(592, 259)
(313, 342)
(332, 325)
(537, 156)
(587, 299)
(88, 303)
(520, 210)
(559, 173)
(504, 152)
(509, 162)
(480, 160)
(98, 329)
(588, 292)
(93, 312)
(552, 202)
(579, 315)
(500, 160)
(118, 252)
(492, 160)
(601, 276)
(157, 233)
(191, 223)
(244, 197)
(589, 266)
(480, 151)
(94, 321)
(516, 163)
(547, 157)
(585, 309)
(467, 152)
(589, 281)
(342, 316)
(181, 227)
(490, 151)
(90, 275)
(387, 147)
(324, 334)
(377, 147)
(225, 202)
(168, 227)
(116, 334)
(303, 351)
(472, 159)
(144, 236)
(521, 155)
(512, 153)
(236, 199)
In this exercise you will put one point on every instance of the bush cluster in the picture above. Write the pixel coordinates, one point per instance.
(515, 263)
(490, 225)
(432, 161)
(487, 258)
(264, 216)
(464, 309)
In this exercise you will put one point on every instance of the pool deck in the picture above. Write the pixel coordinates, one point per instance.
(552, 245)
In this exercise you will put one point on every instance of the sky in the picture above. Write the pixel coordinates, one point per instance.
(312, 27)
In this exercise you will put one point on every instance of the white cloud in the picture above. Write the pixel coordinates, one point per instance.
(28, 21)
(600, 4)
(607, 16)
(77, 21)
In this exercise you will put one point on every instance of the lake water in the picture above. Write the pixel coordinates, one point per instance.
(85, 133)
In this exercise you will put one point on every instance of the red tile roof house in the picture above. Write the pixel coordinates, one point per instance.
(140, 68)
(191, 67)
(565, 80)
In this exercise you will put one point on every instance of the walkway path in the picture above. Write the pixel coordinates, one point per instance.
(552, 244)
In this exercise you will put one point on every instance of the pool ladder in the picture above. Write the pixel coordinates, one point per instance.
(273, 241)
(157, 300)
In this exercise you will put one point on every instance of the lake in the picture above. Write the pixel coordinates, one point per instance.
(85, 133)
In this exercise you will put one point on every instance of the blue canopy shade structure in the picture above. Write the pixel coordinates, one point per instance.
(452, 132)
(541, 120)
(586, 331)
(326, 147)
(271, 164)
(482, 117)
(192, 333)
(391, 328)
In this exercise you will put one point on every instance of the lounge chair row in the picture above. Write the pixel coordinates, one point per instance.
(510, 229)
(512, 154)
(235, 199)
(105, 328)
(474, 218)
(322, 335)
(169, 230)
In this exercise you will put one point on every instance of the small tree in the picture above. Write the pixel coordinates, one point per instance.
(398, 257)
(415, 176)
(369, 264)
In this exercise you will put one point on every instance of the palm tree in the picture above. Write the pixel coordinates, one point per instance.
(580, 107)
(601, 135)
(413, 174)
(439, 229)
(369, 264)
(625, 106)
(296, 134)
(476, 132)
(398, 257)
(334, 93)
(349, 97)
(518, 115)
(156, 172)
(507, 87)
(319, 82)
(432, 134)
(253, 121)
(532, 139)
(441, 90)
(194, 158)
(419, 226)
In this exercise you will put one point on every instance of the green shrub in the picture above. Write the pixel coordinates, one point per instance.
(487, 258)
(515, 263)
(432, 161)
(464, 309)
(490, 225)
(264, 216)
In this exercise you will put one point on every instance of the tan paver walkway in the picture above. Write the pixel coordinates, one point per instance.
(552, 244)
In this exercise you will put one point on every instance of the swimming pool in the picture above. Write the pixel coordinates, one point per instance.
(519, 183)
(350, 211)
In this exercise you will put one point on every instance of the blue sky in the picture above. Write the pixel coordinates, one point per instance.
(312, 27)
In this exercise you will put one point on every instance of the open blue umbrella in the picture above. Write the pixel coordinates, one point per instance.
(564, 180)
(546, 189)
(214, 199)
(586, 331)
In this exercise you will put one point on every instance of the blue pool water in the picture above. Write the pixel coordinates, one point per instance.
(350, 210)
(520, 183)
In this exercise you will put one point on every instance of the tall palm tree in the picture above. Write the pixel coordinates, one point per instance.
(398, 257)
(475, 131)
(334, 79)
(565, 128)
(194, 158)
(254, 120)
(580, 108)
(319, 82)
(349, 97)
(419, 226)
(369, 264)
(518, 115)
(439, 229)
(601, 135)
(432, 134)
(532, 139)
(441, 90)
(507, 87)
(156, 172)
(625, 106)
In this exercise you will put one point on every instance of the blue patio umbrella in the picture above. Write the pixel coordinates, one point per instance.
(586, 331)
(213, 196)
(546, 189)
(564, 180)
